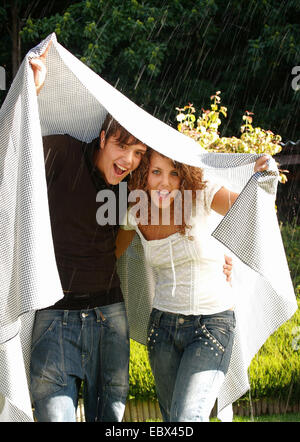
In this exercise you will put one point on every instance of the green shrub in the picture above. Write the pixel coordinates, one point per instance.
(291, 240)
(205, 131)
(274, 372)
(141, 379)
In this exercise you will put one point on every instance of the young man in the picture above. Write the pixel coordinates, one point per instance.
(84, 336)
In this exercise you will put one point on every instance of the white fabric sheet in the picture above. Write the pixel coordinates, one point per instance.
(75, 101)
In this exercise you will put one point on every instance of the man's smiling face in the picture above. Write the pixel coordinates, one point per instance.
(115, 160)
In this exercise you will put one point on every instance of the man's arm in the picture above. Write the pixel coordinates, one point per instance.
(39, 69)
(56, 149)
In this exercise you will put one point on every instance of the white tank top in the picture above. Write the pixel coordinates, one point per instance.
(189, 276)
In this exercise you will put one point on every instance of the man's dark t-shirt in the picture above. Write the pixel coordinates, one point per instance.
(84, 250)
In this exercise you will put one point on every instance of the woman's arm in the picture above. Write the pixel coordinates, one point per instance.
(123, 240)
(224, 198)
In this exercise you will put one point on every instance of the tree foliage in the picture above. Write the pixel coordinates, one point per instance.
(164, 54)
(13, 16)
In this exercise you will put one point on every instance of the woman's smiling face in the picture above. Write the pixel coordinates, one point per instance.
(163, 181)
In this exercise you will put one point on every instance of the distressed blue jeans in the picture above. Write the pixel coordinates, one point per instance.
(189, 357)
(71, 346)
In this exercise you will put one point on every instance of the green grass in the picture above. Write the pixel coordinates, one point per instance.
(289, 417)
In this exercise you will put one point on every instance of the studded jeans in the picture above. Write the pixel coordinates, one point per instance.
(71, 346)
(189, 357)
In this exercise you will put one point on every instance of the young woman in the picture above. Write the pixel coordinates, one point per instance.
(192, 322)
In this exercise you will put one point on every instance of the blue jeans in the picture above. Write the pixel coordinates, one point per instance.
(189, 357)
(71, 346)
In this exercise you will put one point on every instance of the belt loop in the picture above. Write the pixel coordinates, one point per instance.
(99, 314)
(198, 321)
(96, 310)
(157, 317)
(65, 318)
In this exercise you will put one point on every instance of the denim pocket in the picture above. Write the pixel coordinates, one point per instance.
(41, 329)
(47, 374)
(218, 332)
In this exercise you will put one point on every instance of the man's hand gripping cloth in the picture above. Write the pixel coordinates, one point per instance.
(75, 100)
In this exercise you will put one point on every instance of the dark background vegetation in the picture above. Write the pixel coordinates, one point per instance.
(164, 54)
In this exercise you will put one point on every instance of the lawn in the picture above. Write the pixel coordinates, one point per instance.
(289, 417)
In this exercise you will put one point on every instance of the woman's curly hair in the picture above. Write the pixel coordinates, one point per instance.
(191, 178)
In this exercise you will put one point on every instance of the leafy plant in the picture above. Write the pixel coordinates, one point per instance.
(142, 384)
(205, 130)
(275, 370)
(290, 233)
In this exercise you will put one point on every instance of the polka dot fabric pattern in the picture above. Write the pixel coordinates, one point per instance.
(75, 101)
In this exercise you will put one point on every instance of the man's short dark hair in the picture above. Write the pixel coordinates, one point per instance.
(112, 127)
